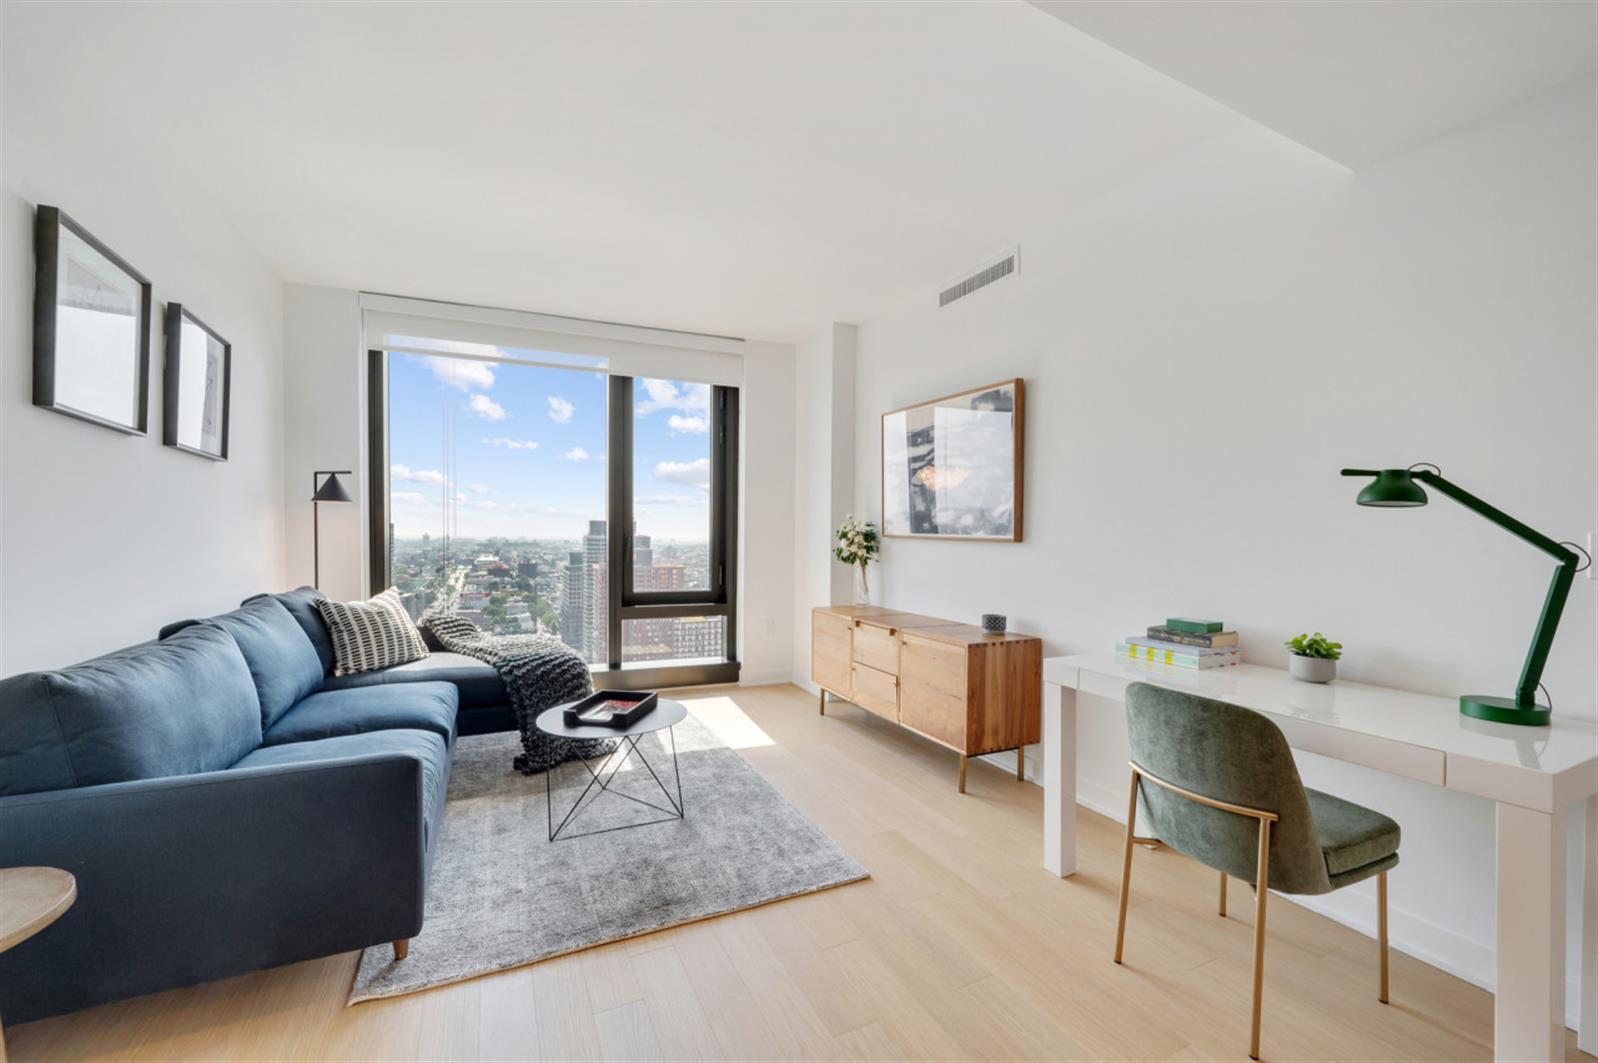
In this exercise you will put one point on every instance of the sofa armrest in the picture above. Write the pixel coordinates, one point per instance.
(190, 878)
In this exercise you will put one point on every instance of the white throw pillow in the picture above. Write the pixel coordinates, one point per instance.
(372, 634)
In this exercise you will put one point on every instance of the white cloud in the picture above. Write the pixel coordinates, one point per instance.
(417, 476)
(669, 500)
(462, 373)
(511, 444)
(486, 408)
(577, 454)
(560, 411)
(666, 395)
(692, 473)
(678, 423)
(481, 489)
(408, 498)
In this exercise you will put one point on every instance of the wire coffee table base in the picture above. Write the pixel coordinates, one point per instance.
(626, 746)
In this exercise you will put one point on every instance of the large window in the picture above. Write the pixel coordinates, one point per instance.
(541, 494)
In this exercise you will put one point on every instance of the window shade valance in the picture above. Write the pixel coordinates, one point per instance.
(422, 327)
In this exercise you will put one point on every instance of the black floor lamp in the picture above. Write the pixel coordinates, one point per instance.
(329, 490)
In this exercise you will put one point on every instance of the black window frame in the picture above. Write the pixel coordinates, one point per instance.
(623, 602)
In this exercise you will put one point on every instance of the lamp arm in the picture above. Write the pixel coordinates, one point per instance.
(1542, 638)
(1497, 516)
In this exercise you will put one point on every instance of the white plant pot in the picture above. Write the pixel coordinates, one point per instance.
(1311, 669)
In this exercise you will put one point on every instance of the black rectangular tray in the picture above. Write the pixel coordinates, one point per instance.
(621, 720)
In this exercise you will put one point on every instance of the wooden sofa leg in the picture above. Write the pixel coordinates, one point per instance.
(402, 949)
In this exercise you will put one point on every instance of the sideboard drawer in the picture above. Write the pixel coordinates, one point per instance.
(876, 647)
(876, 691)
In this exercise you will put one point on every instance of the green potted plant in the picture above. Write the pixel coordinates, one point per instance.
(857, 546)
(1314, 658)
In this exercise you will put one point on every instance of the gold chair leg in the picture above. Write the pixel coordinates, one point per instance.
(1223, 894)
(1381, 929)
(1126, 867)
(1260, 893)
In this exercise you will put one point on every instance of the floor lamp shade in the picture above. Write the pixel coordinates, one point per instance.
(329, 490)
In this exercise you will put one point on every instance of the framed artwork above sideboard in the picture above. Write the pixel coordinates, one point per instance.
(952, 467)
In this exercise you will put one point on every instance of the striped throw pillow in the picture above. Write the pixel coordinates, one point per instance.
(372, 634)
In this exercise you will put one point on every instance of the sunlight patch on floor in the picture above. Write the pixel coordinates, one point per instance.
(728, 722)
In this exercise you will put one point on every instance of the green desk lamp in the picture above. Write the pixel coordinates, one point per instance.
(1398, 488)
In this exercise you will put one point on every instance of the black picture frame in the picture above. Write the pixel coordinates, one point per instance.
(172, 381)
(49, 222)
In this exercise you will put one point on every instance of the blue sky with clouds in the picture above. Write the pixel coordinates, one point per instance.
(530, 450)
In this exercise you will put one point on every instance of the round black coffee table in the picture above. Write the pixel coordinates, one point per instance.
(666, 715)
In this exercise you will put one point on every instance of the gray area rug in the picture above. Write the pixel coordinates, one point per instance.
(502, 895)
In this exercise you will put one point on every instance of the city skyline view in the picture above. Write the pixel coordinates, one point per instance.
(519, 451)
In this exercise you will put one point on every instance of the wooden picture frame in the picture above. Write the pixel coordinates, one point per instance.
(91, 328)
(195, 397)
(979, 497)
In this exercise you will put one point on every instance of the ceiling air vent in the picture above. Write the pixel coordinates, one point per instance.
(1002, 267)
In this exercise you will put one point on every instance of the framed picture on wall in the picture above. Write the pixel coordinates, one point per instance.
(951, 467)
(91, 328)
(196, 382)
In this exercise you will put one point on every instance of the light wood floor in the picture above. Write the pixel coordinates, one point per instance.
(960, 947)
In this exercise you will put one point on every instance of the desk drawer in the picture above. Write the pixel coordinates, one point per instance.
(876, 691)
(877, 647)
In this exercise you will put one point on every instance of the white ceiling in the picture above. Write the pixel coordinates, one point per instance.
(1356, 81)
(753, 169)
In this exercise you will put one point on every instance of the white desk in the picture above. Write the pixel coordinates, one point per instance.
(1534, 774)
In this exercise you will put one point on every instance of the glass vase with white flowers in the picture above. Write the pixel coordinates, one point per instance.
(857, 546)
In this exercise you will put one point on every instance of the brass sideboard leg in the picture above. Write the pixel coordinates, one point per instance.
(1020, 763)
(823, 703)
(962, 772)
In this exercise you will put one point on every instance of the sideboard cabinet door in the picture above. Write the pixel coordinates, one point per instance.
(932, 689)
(830, 652)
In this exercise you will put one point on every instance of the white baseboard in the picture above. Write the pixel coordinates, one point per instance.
(765, 677)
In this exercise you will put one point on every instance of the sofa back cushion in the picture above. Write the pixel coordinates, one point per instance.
(282, 661)
(182, 705)
(301, 604)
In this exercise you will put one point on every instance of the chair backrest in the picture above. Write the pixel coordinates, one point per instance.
(1231, 754)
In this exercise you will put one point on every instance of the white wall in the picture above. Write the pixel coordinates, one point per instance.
(324, 380)
(823, 448)
(766, 527)
(1204, 349)
(108, 536)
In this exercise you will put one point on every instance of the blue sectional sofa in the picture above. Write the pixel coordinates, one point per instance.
(225, 802)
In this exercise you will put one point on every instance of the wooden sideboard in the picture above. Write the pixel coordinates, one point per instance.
(953, 683)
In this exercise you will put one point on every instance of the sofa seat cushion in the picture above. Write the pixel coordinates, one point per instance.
(1351, 836)
(426, 746)
(282, 660)
(478, 682)
(332, 713)
(182, 705)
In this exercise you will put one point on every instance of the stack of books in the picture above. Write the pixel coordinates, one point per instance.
(1183, 642)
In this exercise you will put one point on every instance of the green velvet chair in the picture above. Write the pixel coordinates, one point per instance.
(1217, 782)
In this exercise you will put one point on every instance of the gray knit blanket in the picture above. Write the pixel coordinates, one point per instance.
(538, 671)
